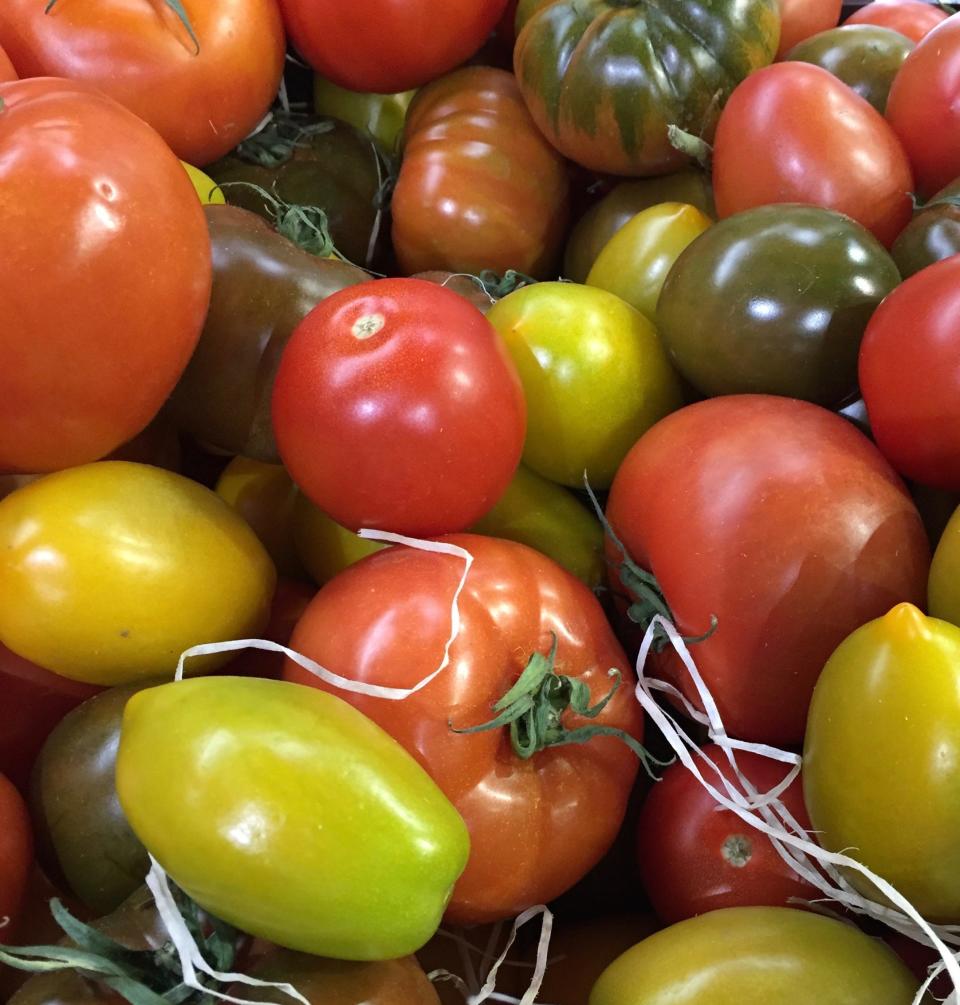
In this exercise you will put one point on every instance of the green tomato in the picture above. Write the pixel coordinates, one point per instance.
(943, 588)
(283, 810)
(380, 115)
(594, 375)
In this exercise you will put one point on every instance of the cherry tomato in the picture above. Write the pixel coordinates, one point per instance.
(16, 855)
(913, 18)
(799, 19)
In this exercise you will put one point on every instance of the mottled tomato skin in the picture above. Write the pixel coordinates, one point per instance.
(913, 18)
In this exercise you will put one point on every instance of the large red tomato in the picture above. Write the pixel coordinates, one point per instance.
(785, 523)
(924, 107)
(910, 376)
(202, 94)
(794, 133)
(388, 45)
(396, 407)
(913, 18)
(802, 18)
(7, 72)
(536, 825)
(106, 274)
(16, 854)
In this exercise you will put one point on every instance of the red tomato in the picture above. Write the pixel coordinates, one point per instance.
(289, 602)
(388, 45)
(16, 854)
(106, 274)
(784, 522)
(203, 103)
(802, 18)
(910, 376)
(538, 825)
(7, 72)
(696, 857)
(924, 107)
(396, 407)
(793, 132)
(913, 18)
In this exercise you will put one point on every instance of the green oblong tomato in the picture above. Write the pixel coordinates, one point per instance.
(943, 590)
(932, 235)
(297, 819)
(379, 115)
(757, 956)
(883, 746)
(594, 375)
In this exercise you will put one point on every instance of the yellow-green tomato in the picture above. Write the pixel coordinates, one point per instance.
(757, 956)
(110, 570)
(324, 547)
(634, 263)
(286, 812)
(380, 115)
(208, 191)
(881, 766)
(594, 375)
(943, 589)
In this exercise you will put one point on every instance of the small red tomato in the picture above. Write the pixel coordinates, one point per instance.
(16, 854)
(913, 18)
(799, 19)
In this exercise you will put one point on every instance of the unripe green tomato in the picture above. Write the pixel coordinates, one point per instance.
(380, 115)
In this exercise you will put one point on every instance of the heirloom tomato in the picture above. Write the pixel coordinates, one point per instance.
(16, 856)
(324, 547)
(379, 115)
(943, 588)
(799, 19)
(932, 235)
(913, 18)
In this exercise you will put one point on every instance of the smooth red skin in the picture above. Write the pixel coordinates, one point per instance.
(910, 376)
(913, 18)
(417, 429)
(802, 18)
(792, 132)
(786, 523)
(536, 826)
(7, 72)
(16, 855)
(106, 274)
(202, 103)
(681, 834)
(924, 107)
(388, 45)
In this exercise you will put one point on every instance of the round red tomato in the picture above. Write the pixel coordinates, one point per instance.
(794, 133)
(782, 521)
(143, 56)
(16, 854)
(396, 407)
(910, 376)
(106, 274)
(388, 45)
(7, 72)
(913, 18)
(924, 107)
(697, 857)
(536, 825)
(802, 18)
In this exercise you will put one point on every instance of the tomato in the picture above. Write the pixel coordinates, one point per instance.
(479, 187)
(932, 235)
(914, 410)
(388, 45)
(755, 956)
(537, 825)
(257, 774)
(144, 57)
(207, 189)
(883, 745)
(913, 18)
(714, 502)
(635, 262)
(800, 19)
(379, 115)
(106, 572)
(16, 855)
(944, 585)
(396, 407)
(775, 300)
(594, 374)
(7, 72)
(924, 107)
(325, 547)
(125, 302)
(599, 87)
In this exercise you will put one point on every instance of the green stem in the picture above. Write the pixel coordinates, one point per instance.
(693, 146)
(175, 5)
(500, 286)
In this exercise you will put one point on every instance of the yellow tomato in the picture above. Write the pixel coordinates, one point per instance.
(323, 546)
(380, 115)
(943, 589)
(208, 190)
(109, 571)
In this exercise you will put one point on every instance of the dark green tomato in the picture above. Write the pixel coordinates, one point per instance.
(604, 79)
(775, 301)
(263, 287)
(865, 57)
(932, 235)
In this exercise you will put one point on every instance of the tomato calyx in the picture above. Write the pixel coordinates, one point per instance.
(279, 137)
(175, 5)
(694, 147)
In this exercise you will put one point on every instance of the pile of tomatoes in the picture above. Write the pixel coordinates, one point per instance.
(377, 380)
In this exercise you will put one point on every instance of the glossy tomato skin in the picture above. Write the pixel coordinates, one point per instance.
(324, 546)
(932, 235)
(883, 745)
(124, 305)
(388, 45)
(396, 407)
(479, 187)
(713, 501)
(833, 150)
(551, 817)
(801, 19)
(16, 856)
(913, 18)
(144, 58)
(914, 410)
(379, 115)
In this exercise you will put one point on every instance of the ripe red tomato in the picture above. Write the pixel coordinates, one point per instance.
(203, 101)
(537, 825)
(910, 376)
(913, 18)
(106, 274)
(16, 854)
(924, 107)
(799, 19)
(388, 45)
(396, 407)
(794, 133)
(696, 857)
(7, 72)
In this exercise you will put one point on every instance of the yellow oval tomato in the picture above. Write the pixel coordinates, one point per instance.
(109, 571)
(208, 191)
(324, 547)
(594, 375)
(380, 115)
(634, 263)
(943, 589)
